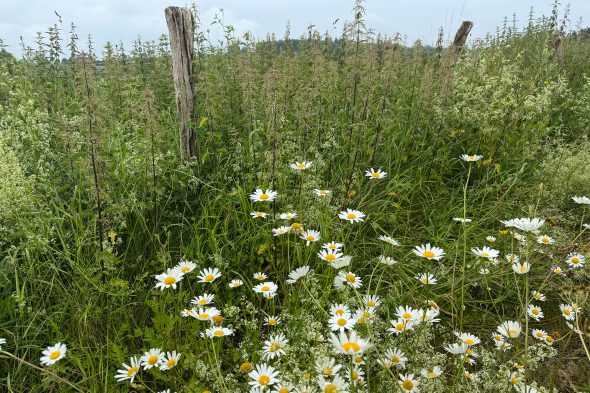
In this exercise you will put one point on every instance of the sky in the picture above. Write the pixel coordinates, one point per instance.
(126, 20)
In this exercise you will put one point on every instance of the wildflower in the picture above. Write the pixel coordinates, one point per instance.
(575, 260)
(283, 387)
(484, 271)
(456, 349)
(260, 276)
(512, 258)
(287, 216)
(128, 371)
(539, 296)
(544, 239)
(581, 200)
(333, 246)
(327, 367)
(152, 358)
(485, 252)
(471, 376)
(430, 315)
(549, 340)
(352, 215)
(469, 339)
(525, 389)
(2, 342)
(236, 283)
(53, 354)
(349, 345)
(339, 309)
(491, 239)
(432, 372)
(471, 158)
(203, 300)
(245, 367)
(371, 301)
(298, 273)
(310, 236)
(185, 266)
(408, 383)
(266, 287)
(336, 385)
(169, 279)
(271, 320)
(503, 346)
(567, 311)
(462, 220)
(535, 312)
(188, 312)
(329, 255)
(218, 332)
(400, 325)
(281, 230)
(257, 214)
(341, 322)
(356, 375)
(266, 196)
(407, 313)
(263, 376)
(322, 193)
(539, 334)
(207, 314)
(342, 262)
(387, 260)
(557, 270)
(426, 279)
(171, 360)
(350, 279)
(301, 166)
(364, 315)
(209, 275)
(429, 252)
(525, 224)
(396, 357)
(296, 228)
(375, 174)
(521, 268)
(509, 329)
(274, 346)
(388, 239)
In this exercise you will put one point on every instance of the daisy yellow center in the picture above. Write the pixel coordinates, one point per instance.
(428, 254)
(472, 157)
(549, 339)
(217, 319)
(537, 296)
(327, 371)
(394, 359)
(339, 312)
(245, 367)
(263, 380)
(209, 277)
(218, 333)
(272, 322)
(522, 268)
(557, 271)
(539, 334)
(169, 280)
(185, 269)
(354, 375)
(535, 311)
(235, 284)
(366, 314)
(204, 316)
(350, 277)
(512, 332)
(265, 288)
(358, 359)
(371, 303)
(399, 326)
(514, 380)
(408, 385)
(469, 341)
(264, 196)
(575, 260)
(407, 315)
(284, 390)
(341, 322)
(301, 165)
(485, 254)
(202, 302)
(331, 257)
(545, 240)
(375, 174)
(310, 238)
(351, 216)
(152, 360)
(54, 355)
(469, 351)
(131, 372)
(332, 247)
(351, 346)
(274, 347)
(171, 363)
(322, 192)
(566, 311)
(431, 374)
(259, 214)
(330, 388)
(296, 226)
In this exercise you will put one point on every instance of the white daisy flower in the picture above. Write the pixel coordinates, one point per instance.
(287, 216)
(271, 320)
(431, 373)
(235, 283)
(128, 372)
(389, 261)
(535, 312)
(462, 220)
(266, 287)
(471, 158)
(53, 354)
(333, 246)
(301, 166)
(322, 193)
(330, 255)
(203, 300)
(260, 276)
(388, 239)
(521, 268)
(469, 338)
(257, 214)
(209, 275)
(274, 346)
(341, 322)
(297, 274)
(509, 329)
(349, 345)
(400, 325)
(557, 271)
(457, 349)
(169, 279)
(349, 278)
(336, 385)
(327, 367)
(544, 239)
(310, 236)
(539, 296)
(485, 252)
(575, 260)
(340, 309)
(206, 314)
(426, 279)
(263, 196)
(341, 262)
(375, 174)
(491, 239)
(371, 301)
(408, 383)
(539, 334)
(352, 216)
(567, 311)
(281, 230)
(171, 360)
(152, 358)
(429, 252)
(407, 313)
(185, 266)
(395, 358)
(581, 200)
(218, 332)
(263, 376)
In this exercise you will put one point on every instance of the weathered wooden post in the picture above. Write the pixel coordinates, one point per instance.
(461, 37)
(558, 48)
(181, 28)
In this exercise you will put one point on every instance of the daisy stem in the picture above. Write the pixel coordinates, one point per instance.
(352, 387)
(464, 251)
(218, 365)
(42, 370)
(579, 333)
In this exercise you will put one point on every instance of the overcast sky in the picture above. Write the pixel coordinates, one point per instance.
(125, 20)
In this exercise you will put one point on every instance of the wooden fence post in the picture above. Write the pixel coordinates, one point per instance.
(181, 28)
(558, 47)
(461, 37)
